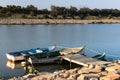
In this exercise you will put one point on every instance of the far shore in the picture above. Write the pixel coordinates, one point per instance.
(54, 21)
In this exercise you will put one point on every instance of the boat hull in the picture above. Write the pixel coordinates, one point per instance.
(43, 60)
(20, 55)
(72, 50)
(15, 58)
(100, 57)
(52, 57)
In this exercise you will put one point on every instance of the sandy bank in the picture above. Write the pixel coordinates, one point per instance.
(54, 21)
(110, 71)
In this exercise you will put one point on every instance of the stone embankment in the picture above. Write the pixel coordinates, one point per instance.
(110, 71)
(54, 21)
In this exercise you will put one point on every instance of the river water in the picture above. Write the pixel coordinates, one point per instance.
(97, 37)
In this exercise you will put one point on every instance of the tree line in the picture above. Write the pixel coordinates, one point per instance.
(56, 12)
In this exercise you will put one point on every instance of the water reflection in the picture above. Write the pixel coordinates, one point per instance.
(14, 65)
(28, 68)
(18, 65)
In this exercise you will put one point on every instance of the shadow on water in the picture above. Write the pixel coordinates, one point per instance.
(65, 65)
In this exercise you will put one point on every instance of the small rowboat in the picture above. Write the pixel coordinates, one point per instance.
(20, 55)
(52, 57)
(100, 56)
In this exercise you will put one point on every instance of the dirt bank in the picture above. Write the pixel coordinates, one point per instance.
(110, 71)
(53, 21)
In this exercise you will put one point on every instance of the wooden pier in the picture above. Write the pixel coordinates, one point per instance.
(83, 60)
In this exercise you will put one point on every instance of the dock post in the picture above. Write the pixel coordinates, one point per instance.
(70, 64)
(26, 63)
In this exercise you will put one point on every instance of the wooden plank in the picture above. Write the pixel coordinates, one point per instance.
(74, 61)
(82, 60)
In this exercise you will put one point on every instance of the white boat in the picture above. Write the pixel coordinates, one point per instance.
(20, 55)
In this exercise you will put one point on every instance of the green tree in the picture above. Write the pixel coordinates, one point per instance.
(73, 10)
(31, 10)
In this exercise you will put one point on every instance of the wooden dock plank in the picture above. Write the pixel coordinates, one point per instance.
(82, 60)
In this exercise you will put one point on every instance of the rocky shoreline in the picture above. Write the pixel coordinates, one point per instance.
(54, 21)
(110, 71)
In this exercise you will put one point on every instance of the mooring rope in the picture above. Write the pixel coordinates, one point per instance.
(62, 47)
(96, 52)
(113, 56)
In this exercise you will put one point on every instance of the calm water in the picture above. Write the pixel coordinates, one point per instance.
(98, 37)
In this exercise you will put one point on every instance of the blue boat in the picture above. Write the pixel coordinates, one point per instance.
(19, 55)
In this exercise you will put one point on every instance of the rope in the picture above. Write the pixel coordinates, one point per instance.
(93, 51)
(62, 47)
(113, 56)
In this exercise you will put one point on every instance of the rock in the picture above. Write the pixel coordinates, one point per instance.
(42, 79)
(59, 79)
(113, 68)
(112, 64)
(99, 66)
(90, 76)
(113, 76)
(70, 71)
(110, 69)
(74, 76)
(81, 77)
(73, 70)
(93, 78)
(65, 75)
(118, 61)
(118, 71)
(103, 73)
(95, 70)
(29, 76)
(83, 71)
(14, 79)
(90, 66)
(42, 76)
(104, 78)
